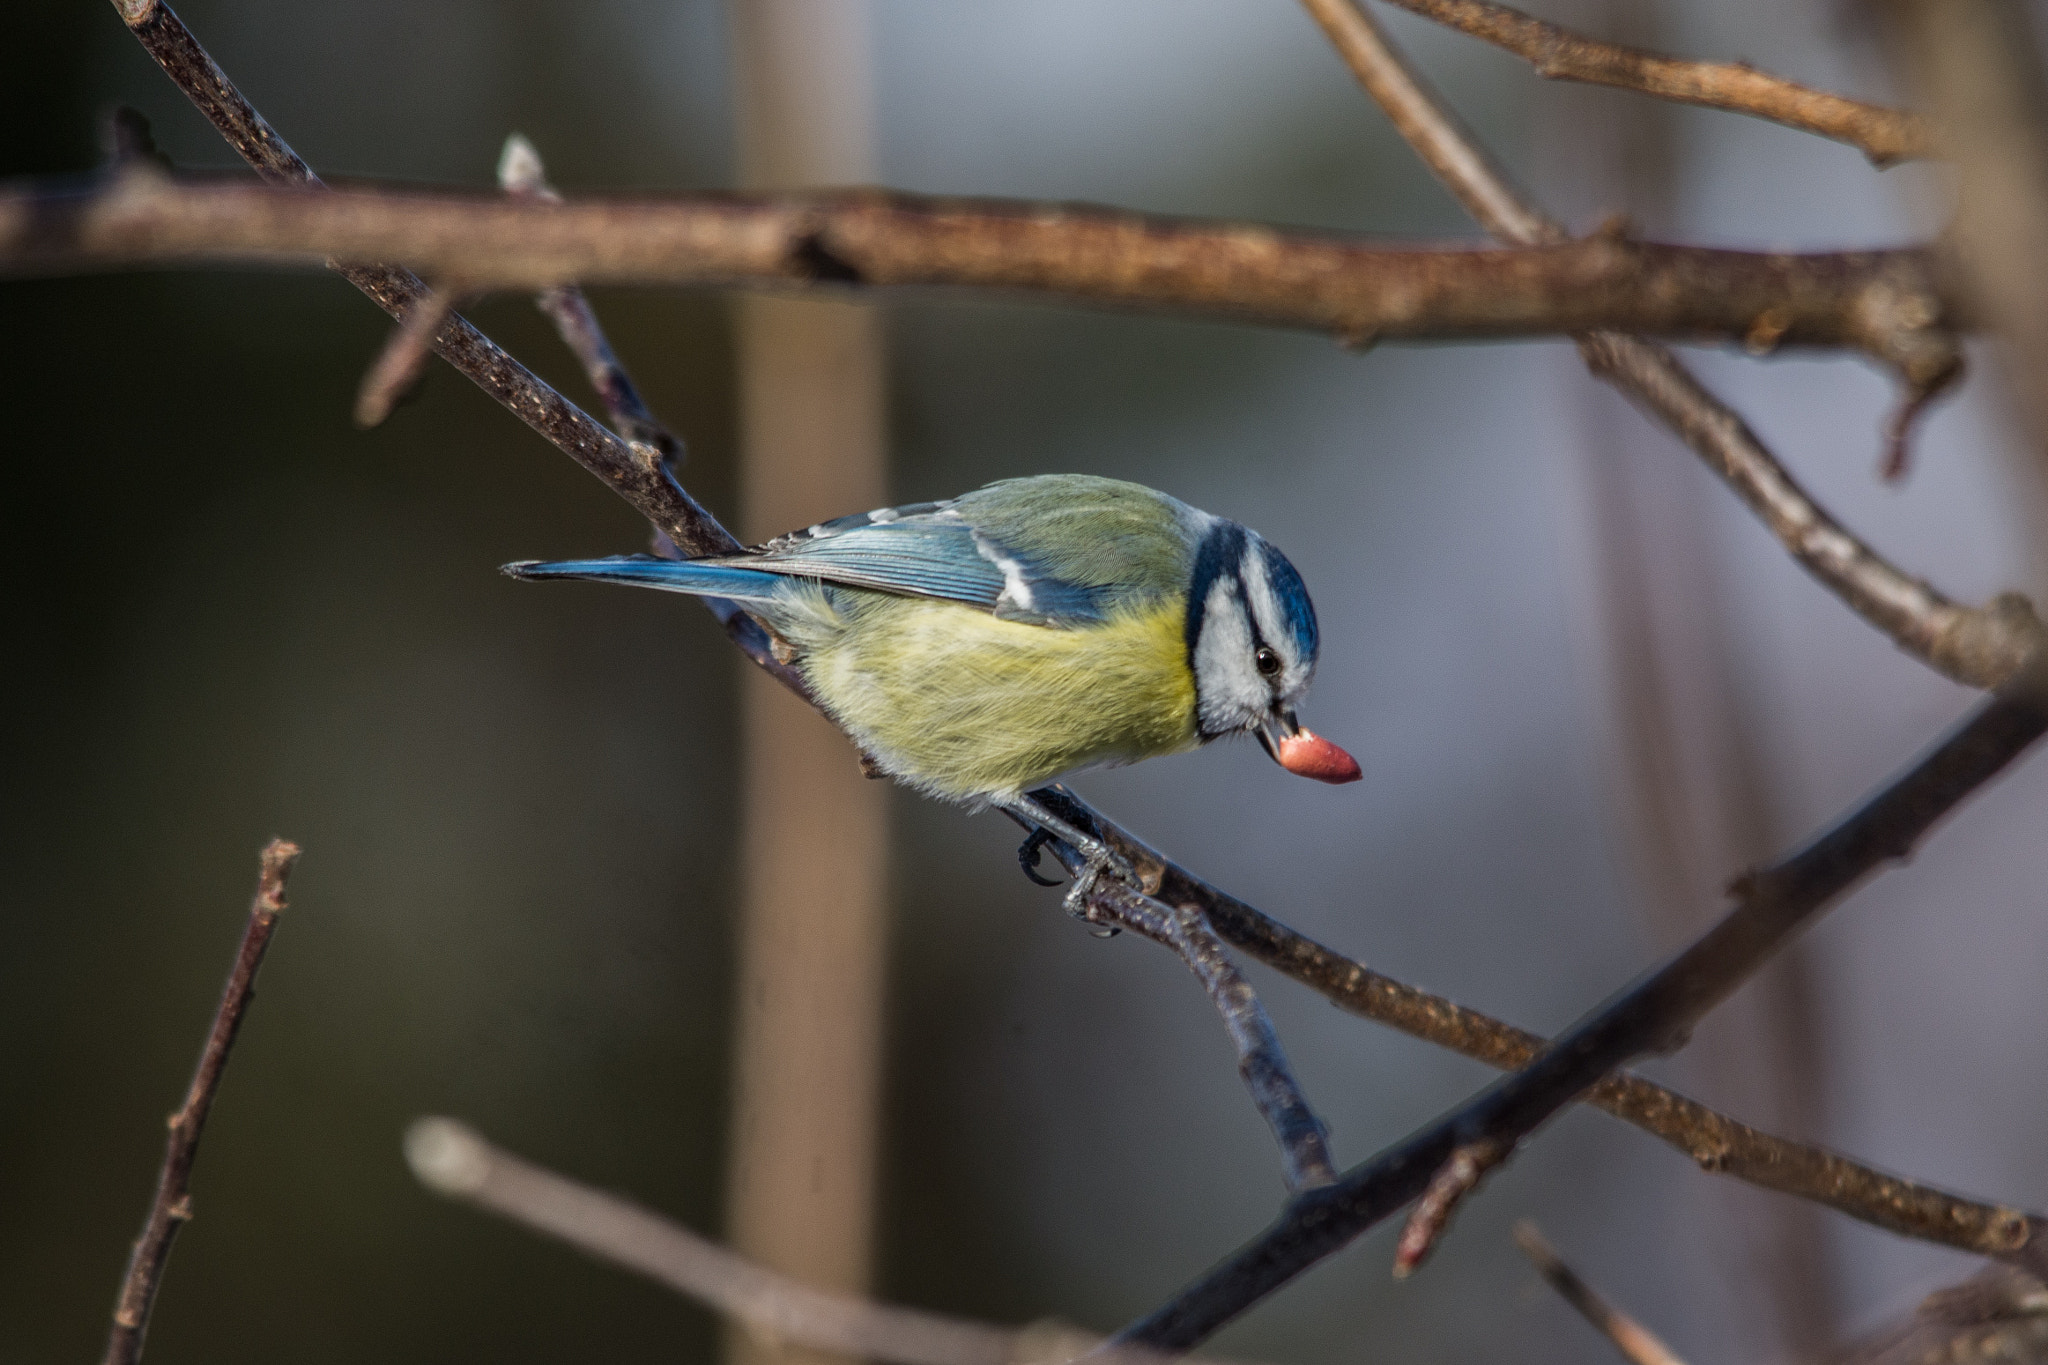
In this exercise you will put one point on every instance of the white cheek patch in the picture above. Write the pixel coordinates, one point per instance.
(1232, 694)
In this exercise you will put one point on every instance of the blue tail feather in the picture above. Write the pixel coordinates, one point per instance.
(670, 575)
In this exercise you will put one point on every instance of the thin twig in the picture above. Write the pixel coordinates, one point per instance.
(1261, 1060)
(1884, 135)
(453, 1160)
(1888, 304)
(644, 482)
(1772, 905)
(1637, 1343)
(1979, 645)
(522, 176)
(397, 367)
(1717, 1143)
(172, 1207)
(1460, 1174)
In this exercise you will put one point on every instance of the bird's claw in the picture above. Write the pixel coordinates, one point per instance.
(1027, 856)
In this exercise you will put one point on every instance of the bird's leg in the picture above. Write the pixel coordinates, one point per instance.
(1097, 856)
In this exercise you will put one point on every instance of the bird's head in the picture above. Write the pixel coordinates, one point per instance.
(1251, 635)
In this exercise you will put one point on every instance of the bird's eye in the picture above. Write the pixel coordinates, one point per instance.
(1267, 660)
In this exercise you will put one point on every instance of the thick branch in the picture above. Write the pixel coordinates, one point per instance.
(1773, 904)
(172, 1207)
(1719, 1144)
(1888, 304)
(1884, 135)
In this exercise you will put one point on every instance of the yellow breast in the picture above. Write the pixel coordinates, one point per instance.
(963, 705)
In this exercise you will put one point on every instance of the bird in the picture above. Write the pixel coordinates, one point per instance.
(978, 647)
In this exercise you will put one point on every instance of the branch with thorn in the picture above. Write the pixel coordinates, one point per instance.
(172, 1207)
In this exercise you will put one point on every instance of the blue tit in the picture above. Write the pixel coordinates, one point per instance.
(979, 647)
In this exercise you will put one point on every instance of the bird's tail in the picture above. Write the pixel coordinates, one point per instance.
(671, 575)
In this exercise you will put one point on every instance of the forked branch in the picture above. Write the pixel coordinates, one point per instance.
(1717, 1143)
(1975, 645)
(1772, 905)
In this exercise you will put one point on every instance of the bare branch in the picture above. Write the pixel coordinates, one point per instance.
(1772, 905)
(1457, 1177)
(521, 175)
(1261, 1061)
(172, 1207)
(453, 1160)
(1979, 646)
(1887, 304)
(1638, 1344)
(397, 367)
(644, 482)
(1884, 135)
(1719, 1144)
(450, 1159)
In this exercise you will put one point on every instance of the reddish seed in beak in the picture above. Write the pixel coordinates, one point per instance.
(1310, 755)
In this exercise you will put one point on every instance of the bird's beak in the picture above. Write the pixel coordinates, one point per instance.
(1304, 753)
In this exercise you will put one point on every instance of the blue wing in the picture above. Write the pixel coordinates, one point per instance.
(927, 550)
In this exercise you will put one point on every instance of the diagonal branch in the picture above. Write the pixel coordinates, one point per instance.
(1262, 1064)
(641, 481)
(172, 1207)
(1772, 905)
(1719, 1144)
(452, 1160)
(1978, 645)
(1637, 1343)
(1884, 135)
(522, 176)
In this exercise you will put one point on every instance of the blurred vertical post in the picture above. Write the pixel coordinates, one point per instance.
(1694, 794)
(813, 937)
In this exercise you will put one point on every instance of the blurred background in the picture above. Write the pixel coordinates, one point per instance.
(1584, 686)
